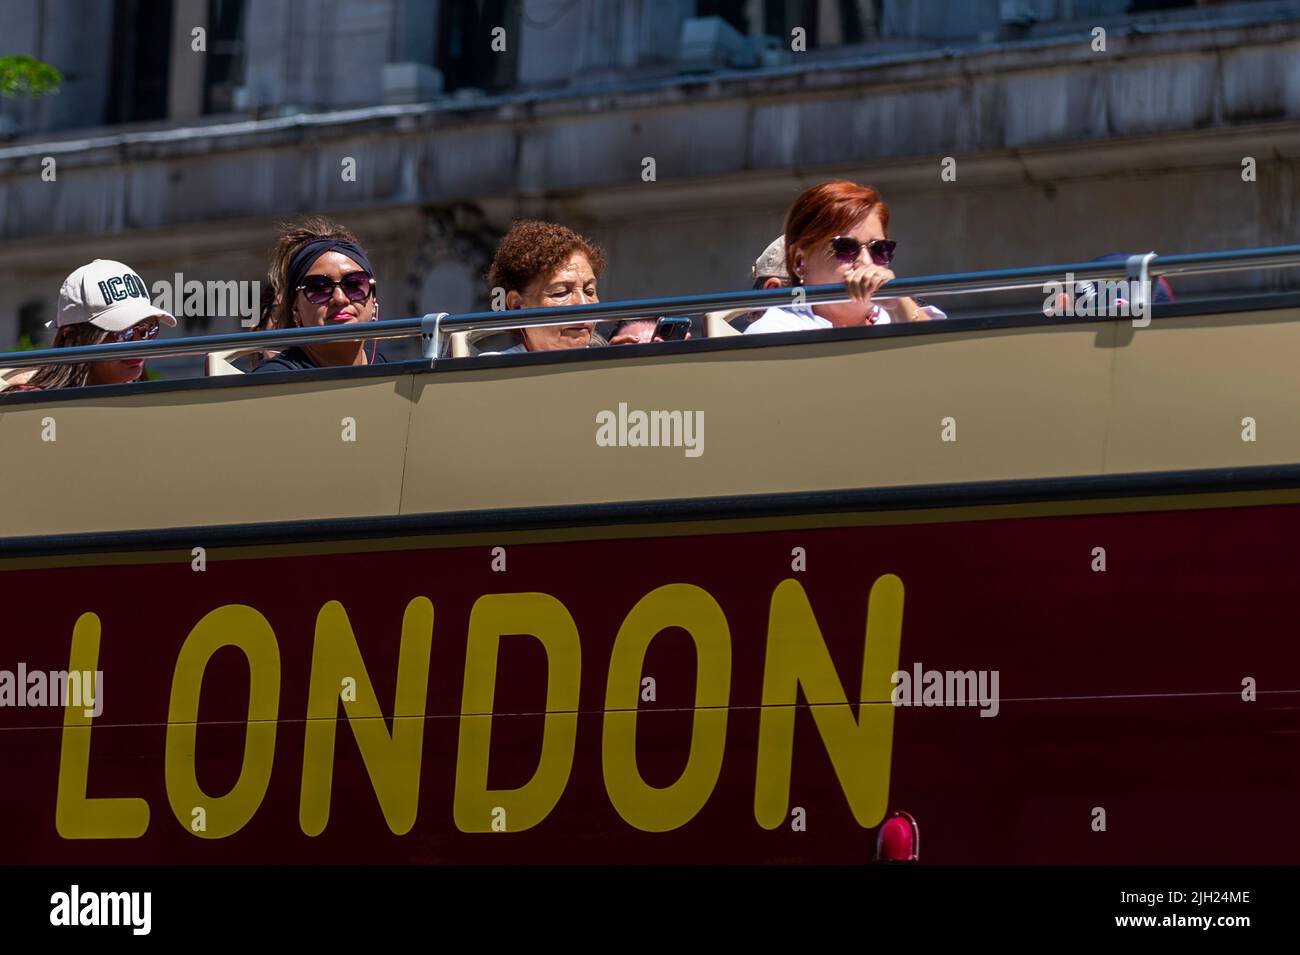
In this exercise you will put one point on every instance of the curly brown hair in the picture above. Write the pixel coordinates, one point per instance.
(532, 249)
(293, 236)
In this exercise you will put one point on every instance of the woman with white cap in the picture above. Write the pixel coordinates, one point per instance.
(100, 303)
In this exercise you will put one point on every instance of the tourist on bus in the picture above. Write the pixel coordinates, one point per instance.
(768, 271)
(321, 276)
(641, 331)
(839, 232)
(544, 265)
(1088, 299)
(99, 303)
(268, 308)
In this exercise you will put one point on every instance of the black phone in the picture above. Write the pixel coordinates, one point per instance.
(672, 329)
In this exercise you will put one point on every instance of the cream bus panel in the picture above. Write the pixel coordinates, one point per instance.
(203, 456)
(1026, 402)
(1074, 399)
(1183, 385)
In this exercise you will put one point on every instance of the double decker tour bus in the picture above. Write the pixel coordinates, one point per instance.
(1020, 583)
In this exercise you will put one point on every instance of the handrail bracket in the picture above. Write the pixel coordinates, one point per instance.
(430, 327)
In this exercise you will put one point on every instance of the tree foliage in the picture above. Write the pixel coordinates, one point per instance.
(27, 76)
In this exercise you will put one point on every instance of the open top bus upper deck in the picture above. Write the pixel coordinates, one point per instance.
(805, 417)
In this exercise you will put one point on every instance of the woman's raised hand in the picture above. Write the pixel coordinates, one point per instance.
(864, 280)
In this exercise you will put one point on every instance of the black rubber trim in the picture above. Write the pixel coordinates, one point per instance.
(1162, 483)
(214, 382)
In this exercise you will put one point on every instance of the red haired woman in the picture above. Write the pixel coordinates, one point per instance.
(839, 232)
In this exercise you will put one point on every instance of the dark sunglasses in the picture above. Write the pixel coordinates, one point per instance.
(319, 289)
(139, 332)
(846, 249)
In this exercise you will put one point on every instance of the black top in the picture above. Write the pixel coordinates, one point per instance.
(295, 359)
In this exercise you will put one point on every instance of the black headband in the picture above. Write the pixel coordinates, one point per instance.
(306, 257)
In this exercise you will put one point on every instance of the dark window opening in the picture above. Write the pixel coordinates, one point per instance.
(733, 11)
(851, 25)
(142, 42)
(224, 67)
(858, 21)
(465, 40)
(31, 323)
(1145, 6)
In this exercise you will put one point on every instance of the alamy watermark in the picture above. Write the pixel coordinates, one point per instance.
(924, 687)
(192, 299)
(651, 429)
(75, 907)
(195, 299)
(1112, 299)
(57, 688)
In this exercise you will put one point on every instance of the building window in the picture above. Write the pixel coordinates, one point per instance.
(142, 42)
(31, 323)
(465, 54)
(224, 69)
(735, 12)
(826, 22)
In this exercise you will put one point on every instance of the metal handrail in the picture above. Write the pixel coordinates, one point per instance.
(997, 280)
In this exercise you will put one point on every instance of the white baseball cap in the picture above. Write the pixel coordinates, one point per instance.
(109, 295)
(771, 264)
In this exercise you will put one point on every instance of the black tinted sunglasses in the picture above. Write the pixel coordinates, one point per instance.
(319, 289)
(846, 249)
(139, 332)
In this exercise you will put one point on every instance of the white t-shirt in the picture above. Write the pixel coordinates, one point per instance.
(800, 318)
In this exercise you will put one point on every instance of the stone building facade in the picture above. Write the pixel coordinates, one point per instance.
(178, 160)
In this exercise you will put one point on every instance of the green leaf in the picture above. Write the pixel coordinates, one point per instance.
(27, 76)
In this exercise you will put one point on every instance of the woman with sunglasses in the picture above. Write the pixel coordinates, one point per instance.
(838, 232)
(100, 303)
(321, 277)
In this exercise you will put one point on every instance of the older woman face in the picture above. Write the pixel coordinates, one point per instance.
(573, 283)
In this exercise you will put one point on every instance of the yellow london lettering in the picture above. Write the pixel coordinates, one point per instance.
(796, 661)
(392, 761)
(797, 657)
(492, 617)
(234, 625)
(76, 815)
(641, 805)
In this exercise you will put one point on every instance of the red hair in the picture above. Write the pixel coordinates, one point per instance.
(826, 210)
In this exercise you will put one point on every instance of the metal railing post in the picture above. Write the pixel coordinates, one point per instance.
(430, 329)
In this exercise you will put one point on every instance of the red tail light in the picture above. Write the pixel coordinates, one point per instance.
(899, 839)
